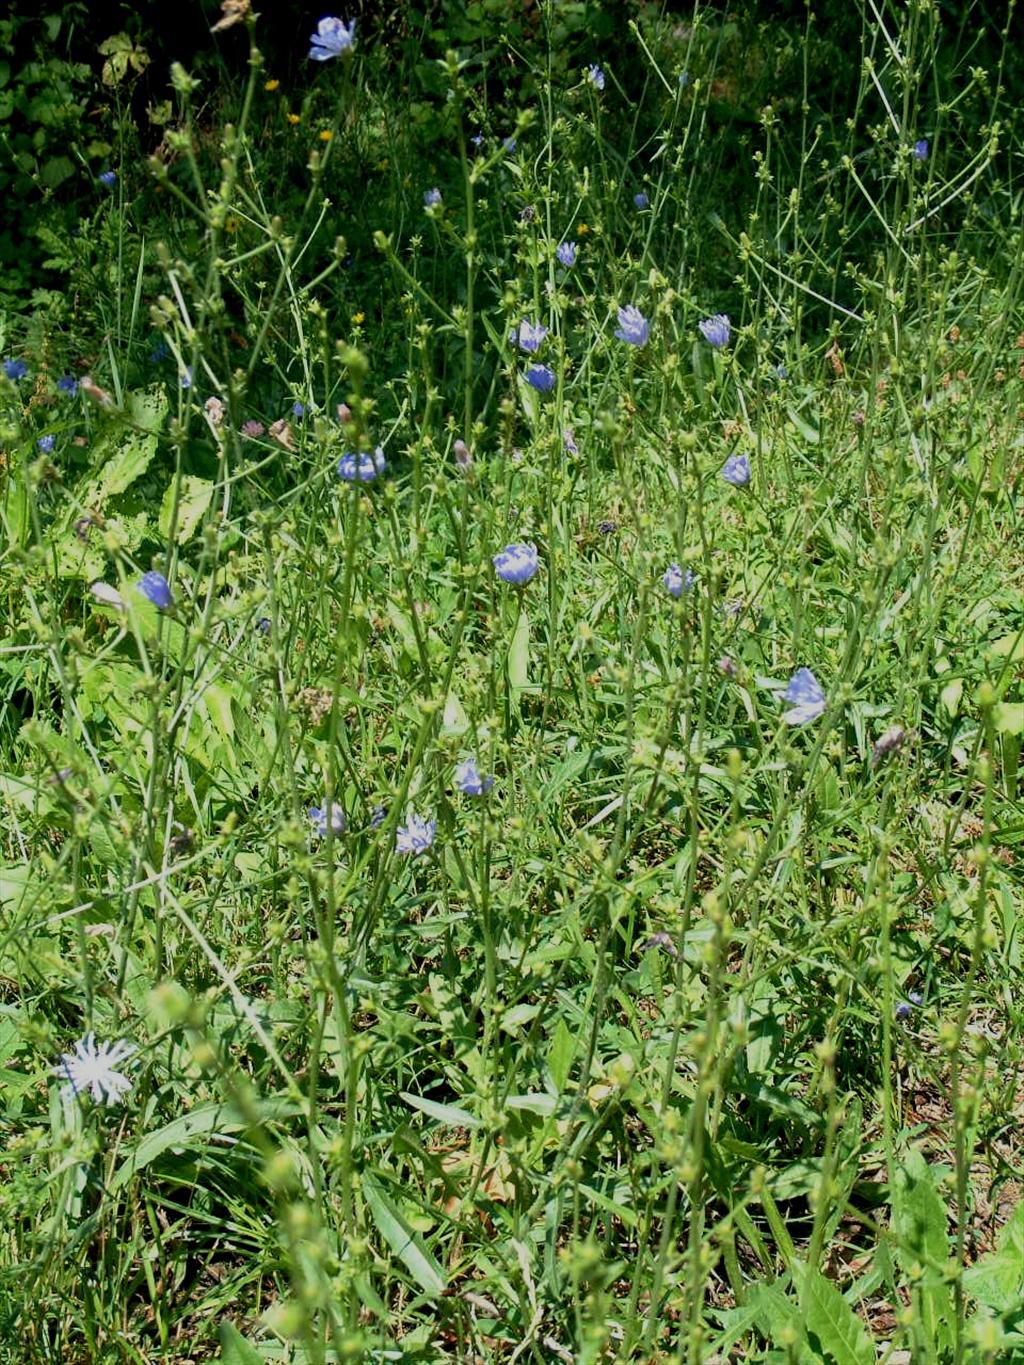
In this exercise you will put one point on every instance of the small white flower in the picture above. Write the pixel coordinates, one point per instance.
(91, 1067)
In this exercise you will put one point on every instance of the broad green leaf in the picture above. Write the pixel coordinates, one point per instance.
(193, 500)
(919, 1215)
(560, 1055)
(1008, 717)
(125, 457)
(519, 654)
(235, 1350)
(148, 407)
(764, 1029)
(544, 1105)
(444, 1113)
(779, 1319)
(404, 1242)
(810, 434)
(951, 694)
(192, 1131)
(1009, 647)
(919, 1221)
(997, 1279)
(454, 720)
(841, 1335)
(56, 170)
(15, 879)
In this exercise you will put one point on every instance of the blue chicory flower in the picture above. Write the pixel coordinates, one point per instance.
(108, 178)
(509, 145)
(566, 254)
(361, 468)
(806, 697)
(676, 581)
(531, 335)
(684, 79)
(377, 816)
(641, 200)
(921, 150)
(736, 470)
(716, 330)
(185, 378)
(331, 39)
(298, 409)
(595, 76)
(46, 443)
(569, 440)
(469, 781)
(263, 625)
(415, 837)
(68, 384)
(541, 378)
(517, 564)
(329, 815)
(432, 198)
(15, 369)
(156, 589)
(633, 326)
(161, 351)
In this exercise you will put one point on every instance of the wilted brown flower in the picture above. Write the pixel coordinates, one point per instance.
(233, 12)
(282, 433)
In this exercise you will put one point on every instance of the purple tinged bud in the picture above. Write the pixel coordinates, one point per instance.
(633, 326)
(156, 589)
(541, 378)
(716, 330)
(517, 564)
(736, 470)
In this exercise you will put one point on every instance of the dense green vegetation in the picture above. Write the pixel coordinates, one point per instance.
(511, 663)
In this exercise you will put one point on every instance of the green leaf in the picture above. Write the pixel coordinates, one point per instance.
(919, 1221)
(563, 1047)
(810, 434)
(193, 500)
(454, 720)
(918, 1214)
(841, 1336)
(192, 1131)
(951, 694)
(404, 1242)
(234, 1349)
(444, 1113)
(997, 1279)
(148, 407)
(55, 171)
(126, 456)
(519, 654)
(1008, 717)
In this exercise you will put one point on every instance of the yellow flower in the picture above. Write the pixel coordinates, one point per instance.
(230, 224)
(357, 318)
(272, 85)
(326, 135)
(581, 228)
(294, 118)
